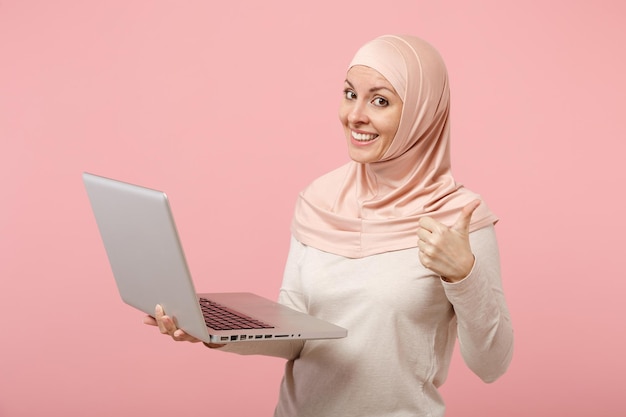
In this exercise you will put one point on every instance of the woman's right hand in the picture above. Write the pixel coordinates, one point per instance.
(167, 326)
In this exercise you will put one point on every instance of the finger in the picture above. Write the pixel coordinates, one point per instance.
(421, 245)
(158, 315)
(425, 259)
(423, 234)
(181, 336)
(425, 250)
(429, 224)
(169, 325)
(149, 320)
(463, 222)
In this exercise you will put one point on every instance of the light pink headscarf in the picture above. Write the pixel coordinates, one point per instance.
(360, 209)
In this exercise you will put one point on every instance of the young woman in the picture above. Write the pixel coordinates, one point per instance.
(392, 248)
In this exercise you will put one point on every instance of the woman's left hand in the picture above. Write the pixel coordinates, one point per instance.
(446, 250)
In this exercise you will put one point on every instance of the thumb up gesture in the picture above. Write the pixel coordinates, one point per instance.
(446, 250)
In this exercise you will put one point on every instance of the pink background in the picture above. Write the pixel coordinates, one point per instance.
(231, 108)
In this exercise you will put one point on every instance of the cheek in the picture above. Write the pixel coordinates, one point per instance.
(390, 133)
(342, 114)
(393, 123)
(389, 127)
(393, 129)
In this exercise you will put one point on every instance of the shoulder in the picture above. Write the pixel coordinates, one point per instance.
(485, 243)
(484, 234)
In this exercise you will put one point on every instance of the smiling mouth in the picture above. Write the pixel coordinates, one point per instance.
(363, 137)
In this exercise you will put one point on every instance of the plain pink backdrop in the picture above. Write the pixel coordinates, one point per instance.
(231, 108)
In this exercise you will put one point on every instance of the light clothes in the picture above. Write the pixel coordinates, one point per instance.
(402, 323)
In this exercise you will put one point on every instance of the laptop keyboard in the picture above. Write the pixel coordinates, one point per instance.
(219, 317)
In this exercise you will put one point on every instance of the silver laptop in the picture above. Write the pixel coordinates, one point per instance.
(148, 263)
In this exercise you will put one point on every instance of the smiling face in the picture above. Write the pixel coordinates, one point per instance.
(370, 113)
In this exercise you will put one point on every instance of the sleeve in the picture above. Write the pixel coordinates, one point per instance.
(484, 326)
(291, 296)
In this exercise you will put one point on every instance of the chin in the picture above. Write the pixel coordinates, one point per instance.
(365, 154)
(362, 159)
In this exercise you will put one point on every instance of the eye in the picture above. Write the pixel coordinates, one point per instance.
(349, 94)
(381, 102)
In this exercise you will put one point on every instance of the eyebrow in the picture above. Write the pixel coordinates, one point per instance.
(373, 89)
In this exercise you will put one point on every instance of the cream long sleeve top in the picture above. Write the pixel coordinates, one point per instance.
(402, 323)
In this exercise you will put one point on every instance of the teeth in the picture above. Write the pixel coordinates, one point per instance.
(363, 137)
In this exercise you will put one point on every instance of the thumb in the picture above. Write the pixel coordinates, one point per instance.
(463, 222)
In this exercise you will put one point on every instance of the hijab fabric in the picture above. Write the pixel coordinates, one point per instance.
(361, 209)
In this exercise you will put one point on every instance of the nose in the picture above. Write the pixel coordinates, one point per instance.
(358, 114)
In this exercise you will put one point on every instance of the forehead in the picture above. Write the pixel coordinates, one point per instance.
(368, 77)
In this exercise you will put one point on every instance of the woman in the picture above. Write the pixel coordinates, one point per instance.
(390, 247)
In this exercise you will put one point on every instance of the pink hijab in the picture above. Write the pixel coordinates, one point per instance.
(360, 209)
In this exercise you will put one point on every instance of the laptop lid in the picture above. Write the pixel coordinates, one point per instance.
(148, 263)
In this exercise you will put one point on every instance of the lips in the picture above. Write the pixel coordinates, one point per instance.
(363, 137)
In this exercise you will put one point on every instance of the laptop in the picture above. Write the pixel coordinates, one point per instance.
(147, 260)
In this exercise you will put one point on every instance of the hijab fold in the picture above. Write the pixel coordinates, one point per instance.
(360, 209)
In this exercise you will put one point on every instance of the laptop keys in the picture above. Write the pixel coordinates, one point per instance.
(219, 317)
